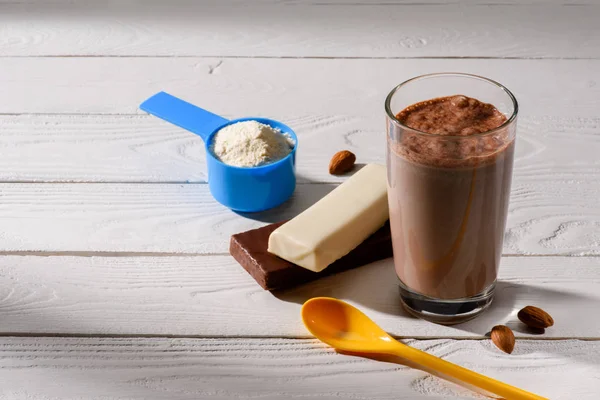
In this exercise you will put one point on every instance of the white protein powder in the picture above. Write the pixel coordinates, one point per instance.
(250, 144)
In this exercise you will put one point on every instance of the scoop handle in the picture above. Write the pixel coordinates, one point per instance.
(465, 375)
(183, 114)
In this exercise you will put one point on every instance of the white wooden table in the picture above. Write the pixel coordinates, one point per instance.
(115, 280)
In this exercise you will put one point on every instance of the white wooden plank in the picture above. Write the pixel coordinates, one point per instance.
(278, 87)
(214, 296)
(544, 218)
(92, 148)
(552, 212)
(91, 368)
(282, 29)
(111, 148)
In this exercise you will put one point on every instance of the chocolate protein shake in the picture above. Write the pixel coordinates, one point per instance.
(449, 186)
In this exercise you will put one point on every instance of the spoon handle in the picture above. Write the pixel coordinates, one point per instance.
(465, 375)
(183, 114)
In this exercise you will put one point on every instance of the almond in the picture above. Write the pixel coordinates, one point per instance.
(535, 317)
(503, 338)
(341, 162)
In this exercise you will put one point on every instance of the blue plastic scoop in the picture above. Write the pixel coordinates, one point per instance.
(241, 189)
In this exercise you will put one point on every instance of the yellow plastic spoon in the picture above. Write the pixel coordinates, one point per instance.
(345, 328)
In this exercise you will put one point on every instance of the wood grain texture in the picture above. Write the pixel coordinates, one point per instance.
(214, 296)
(75, 368)
(552, 211)
(114, 148)
(297, 29)
(274, 88)
(544, 218)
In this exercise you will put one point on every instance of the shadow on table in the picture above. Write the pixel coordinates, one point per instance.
(375, 287)
(372, 286)
(505, 306)
(307, 193)
(305, 196)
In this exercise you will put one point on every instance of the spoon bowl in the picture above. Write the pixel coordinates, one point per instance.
(345, 328)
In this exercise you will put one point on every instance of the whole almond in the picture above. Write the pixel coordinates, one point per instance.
(503, 338)
(535, 317)
(341, 162)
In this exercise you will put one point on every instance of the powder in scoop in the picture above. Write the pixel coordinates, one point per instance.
(251, 144)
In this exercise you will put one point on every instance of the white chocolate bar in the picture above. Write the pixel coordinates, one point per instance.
(337, 223)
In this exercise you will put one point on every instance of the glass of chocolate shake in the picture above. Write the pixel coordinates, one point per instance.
(450, 149)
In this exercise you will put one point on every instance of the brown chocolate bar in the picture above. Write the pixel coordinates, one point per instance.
(271, 272)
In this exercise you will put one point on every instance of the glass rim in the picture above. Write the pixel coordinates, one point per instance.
(392, 116)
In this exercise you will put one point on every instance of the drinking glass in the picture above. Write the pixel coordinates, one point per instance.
(448, 198)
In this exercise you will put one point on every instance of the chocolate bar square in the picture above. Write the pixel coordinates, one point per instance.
(271, 272)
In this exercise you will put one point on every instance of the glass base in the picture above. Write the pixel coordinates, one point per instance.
(446, 312)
